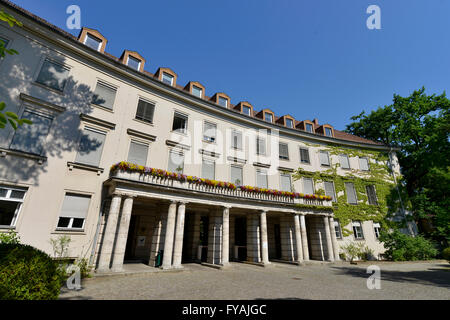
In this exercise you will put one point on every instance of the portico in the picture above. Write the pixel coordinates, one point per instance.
(172, 224)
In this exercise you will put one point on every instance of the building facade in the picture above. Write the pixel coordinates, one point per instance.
(133, 166)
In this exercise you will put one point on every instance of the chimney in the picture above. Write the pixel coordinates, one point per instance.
(316, 121)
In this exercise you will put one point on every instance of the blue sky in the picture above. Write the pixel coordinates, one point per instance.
(310, 59)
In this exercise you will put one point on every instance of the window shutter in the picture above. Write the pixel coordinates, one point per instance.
(304, 155)
(236, 174)
(237, 139)
(308, 187)
(91, 147)
(138, 153)
(145, 111)
(324, 159)
(329, 190)
(104, 96)
(261, 146)
(285, 182)
(175, 160)
(371, 194)
(210, 132)
(351, 193)
(75, 206)
(208, 170)
(345, 164)
(261, 179)
(364, 164)
(284, 151)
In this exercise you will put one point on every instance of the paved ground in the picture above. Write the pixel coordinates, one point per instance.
(419, 280)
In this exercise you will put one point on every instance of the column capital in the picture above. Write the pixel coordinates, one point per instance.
(226, 207)
(182, 202)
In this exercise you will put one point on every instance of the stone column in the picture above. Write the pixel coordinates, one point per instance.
(179, 232)
(226, 236)
(253, 238)
(298, 238)
(215, 237)
(330, 255)
(156, 240)
(122, 234)
(109, 234)
(304, 238)
(334, 240)
(168, 239)
(264, 242)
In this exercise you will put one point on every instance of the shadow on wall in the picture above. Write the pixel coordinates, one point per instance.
(430, 276)
(64, 134)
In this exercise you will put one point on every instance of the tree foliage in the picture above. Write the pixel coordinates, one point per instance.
(420, 126)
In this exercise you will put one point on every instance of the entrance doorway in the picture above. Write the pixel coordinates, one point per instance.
(277, 238)
(131, 240)
(240, 238)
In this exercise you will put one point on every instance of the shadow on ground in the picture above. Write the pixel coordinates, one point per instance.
(432, 276)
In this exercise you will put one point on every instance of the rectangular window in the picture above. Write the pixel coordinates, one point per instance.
(324, 158)
(104, 95)
(53, 75)
(209, 132)
(337, 229)
(329, 190)
(285, 182)
(304, 155)
(371, 194)
(31, 138)
(289, 123)
(268, 117)
(93, 42)
(145, 111)
(138, 153)
(74, 211)
(223, 102)
(351, 193)
(236, 139)
(261, 178)
(260, 146)
(167, 78)
(309, 127)
(308, 186)
(180, 122)
(208, 169)
(357, 230)
(328, 132)
(236, 175)
(364, 164)
(91, 147)
(11, 200)
(134, 63)
(246, 110)
(196, 91)
(376, 230)
(345, 163)
(284, 151)
(176, 162)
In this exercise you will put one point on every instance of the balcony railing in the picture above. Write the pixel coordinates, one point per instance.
(234, 192)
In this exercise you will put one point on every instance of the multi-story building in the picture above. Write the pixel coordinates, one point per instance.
(131, 164)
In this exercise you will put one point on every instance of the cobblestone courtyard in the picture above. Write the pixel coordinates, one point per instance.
(419, 280)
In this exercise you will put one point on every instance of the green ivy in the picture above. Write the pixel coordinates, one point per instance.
(378, 175)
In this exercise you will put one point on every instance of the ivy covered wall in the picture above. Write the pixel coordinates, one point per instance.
(379, 175)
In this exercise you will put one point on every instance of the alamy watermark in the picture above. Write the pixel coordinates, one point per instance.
(374, 20)
(74, 280)
(74, 19)
(374, 281)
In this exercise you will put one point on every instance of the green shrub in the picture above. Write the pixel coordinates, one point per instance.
(27, 273)
(353, 250)
(402, 247)
(446, 254)
(9, 237)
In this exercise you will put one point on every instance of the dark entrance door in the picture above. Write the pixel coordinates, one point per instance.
(277, 241)
(204, 226)
(240, 237)
(131, 240)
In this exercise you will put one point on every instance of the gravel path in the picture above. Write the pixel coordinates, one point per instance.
(418, 280)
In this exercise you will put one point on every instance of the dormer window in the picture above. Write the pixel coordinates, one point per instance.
(309, 127)
(93, 42)
(268, 117)
(289, 123)
(134, 63)
(223, 102)
(246, 110)
(328, 132)
(167, 78)
(197, 91)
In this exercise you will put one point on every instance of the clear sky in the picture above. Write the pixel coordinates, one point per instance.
(307, 58)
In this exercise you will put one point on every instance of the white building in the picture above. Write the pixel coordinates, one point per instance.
(91, 110)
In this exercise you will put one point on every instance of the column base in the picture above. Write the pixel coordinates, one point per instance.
(178, 267)
(103, 270)
(165, 267)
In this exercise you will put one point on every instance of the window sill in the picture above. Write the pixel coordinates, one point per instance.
(284, 159)
(6, 228)
(102, 107)
(209, 141)
(48, 88)
(39, 159)
(144, 122)
(183, 133)
(87, 167)
(69, 231)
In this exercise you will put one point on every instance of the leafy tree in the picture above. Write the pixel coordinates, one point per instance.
(420, 126)
(8, 116)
